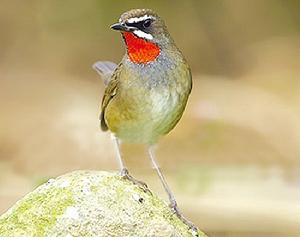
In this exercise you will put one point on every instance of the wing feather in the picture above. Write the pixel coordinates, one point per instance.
(111, 81)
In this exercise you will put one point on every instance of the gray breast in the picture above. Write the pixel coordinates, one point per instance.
(160, 72)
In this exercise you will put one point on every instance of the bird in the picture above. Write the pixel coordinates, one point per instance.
(147, 92)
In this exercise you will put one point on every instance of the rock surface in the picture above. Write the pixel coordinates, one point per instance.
(91, 204)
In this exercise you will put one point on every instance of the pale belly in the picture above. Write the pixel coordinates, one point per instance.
(146, 116)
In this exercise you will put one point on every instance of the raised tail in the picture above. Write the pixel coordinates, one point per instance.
(105, 69)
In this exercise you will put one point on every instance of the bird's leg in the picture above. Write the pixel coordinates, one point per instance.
(119, 157)
(123, 170)
(173, 203)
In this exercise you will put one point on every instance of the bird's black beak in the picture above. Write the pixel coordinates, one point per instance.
(121, 27)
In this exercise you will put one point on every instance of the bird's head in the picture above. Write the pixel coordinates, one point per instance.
(145, 34)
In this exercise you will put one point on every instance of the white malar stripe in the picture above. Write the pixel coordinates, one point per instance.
(142, 34)
(138, 19)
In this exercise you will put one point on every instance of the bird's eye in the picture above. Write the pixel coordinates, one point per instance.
(147, 23)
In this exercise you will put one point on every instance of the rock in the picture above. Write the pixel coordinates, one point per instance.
(91, 204)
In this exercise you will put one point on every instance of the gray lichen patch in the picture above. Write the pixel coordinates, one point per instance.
(90, 204)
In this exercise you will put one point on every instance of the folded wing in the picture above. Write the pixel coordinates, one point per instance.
(109, 72)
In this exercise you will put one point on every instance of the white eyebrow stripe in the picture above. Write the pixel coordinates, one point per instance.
(142, 34)
(138, 19)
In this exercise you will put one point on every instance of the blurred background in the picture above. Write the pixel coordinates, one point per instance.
(233, 161)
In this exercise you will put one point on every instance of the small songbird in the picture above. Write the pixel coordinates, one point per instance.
(145, 94)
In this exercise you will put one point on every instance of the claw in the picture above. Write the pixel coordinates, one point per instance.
(191, 225)
(125, 174)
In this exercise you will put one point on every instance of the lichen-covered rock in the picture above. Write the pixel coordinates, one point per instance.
(91, 204)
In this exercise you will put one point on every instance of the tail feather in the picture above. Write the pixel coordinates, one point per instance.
(105, 69)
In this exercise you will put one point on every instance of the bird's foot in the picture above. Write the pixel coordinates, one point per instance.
(193, 229)
(125, 174)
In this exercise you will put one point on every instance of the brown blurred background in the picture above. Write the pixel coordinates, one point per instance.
(234, 159)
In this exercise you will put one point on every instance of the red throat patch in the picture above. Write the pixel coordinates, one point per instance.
(140, 50)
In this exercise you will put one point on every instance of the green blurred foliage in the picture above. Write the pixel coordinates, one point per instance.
(71, 35)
